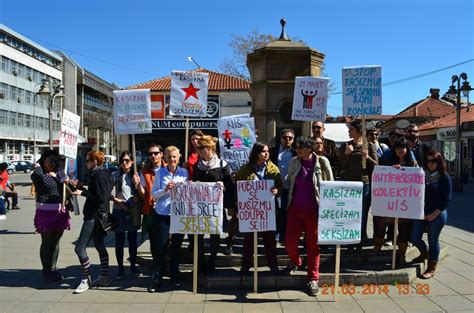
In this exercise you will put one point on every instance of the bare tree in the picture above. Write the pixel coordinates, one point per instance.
(248, 43)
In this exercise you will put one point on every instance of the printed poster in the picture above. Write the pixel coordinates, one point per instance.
(256, 205)
(398, 192)
(70, 125)
(236, 139)
(132, 111)
(310, 99)
(196, 208)
(340, 212)
(189, 93)
(362, 90)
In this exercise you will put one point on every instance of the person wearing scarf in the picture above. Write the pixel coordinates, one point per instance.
(305, 173)
(438, 192)
(260, 167)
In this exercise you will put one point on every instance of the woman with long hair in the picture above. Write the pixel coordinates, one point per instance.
(438, 192)
(259, 167)
(399, 157)
(123, 204)
(169, 176)
(51, 217)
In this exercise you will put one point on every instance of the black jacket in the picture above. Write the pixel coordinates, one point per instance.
(98, 193)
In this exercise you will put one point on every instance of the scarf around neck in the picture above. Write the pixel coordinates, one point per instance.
(431, 177)
(204, 165)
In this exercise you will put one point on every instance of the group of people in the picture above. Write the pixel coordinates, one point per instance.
(141, 199)
(7, 190)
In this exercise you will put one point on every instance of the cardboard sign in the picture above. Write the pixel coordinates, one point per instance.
(189, 93)
(196, 208)
(256, 205)
(236, 139)
(310, 99)
(70, 125)
(398, 192)
(157, 107)
(132, 111)
(340, 212)
(362, 90)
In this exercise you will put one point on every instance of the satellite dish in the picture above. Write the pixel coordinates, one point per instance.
(403, 124)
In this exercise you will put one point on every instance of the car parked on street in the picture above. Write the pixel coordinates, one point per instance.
(23, 166)
(10, 167)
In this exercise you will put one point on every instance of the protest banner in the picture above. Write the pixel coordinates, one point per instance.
(256, 205)
(310, 99)
(362, 90)
(196, 208)
(398, 192)
(189, 93)
(132, 111)
(236, 139)
(340, 212)
(70, 125)
(157, 107)
(340, 215)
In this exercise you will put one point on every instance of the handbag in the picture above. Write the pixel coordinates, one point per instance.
(107, 221)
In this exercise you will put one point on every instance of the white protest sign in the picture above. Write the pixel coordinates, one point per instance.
(398, 192)
(196, 208)
(68, 136)
(236, 139)
(362, 90)
(189, 93)
(132, 111)
(256, 205)
(340, 212)
(310, 99)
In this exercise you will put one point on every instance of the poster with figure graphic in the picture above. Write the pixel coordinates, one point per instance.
(236, 138)
(310, 99)
(398, 192)
(189, 93)
(340, 212)
(256, 205)
(196, 208)
(362, 90)
(132, 111)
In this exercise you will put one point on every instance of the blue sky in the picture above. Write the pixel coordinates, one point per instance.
(133, 41)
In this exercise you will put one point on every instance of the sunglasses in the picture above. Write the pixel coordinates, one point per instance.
(412, 131)
(89, 160)
(314, 127)
(374, 134)
(154, 153)
(318, 143)
(430, 161)
(287, 137)
(126, 161)
(202, 147)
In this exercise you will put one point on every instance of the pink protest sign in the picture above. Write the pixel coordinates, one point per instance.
(398, 192)
(256, 205)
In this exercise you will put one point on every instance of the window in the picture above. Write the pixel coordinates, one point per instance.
(12, 118)
(21, 71)
(5, 64)
(21, 119)
(28, 96)
(21, 95)
(13, 67)
(27, 122)
(5, 91)
(29, 73)
(13, 93)
(3, 117)
(35, 75)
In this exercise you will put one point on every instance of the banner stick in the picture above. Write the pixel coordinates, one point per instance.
(364, 142)
(195, 264)
(64, 185)
(336, 276)
(395, 233)
(134, 152)
(186, 140)
(255, 262)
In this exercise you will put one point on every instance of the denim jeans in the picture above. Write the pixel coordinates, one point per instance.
(132, 249)
(90, 231)
(3, 209)
(434, 230)
(365, 210)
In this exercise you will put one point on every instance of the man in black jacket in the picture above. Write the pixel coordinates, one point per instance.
(419, 148)
(281, 155)
(331, 152)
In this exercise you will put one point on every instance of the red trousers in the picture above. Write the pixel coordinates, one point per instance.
(296, 222)
(270, 249)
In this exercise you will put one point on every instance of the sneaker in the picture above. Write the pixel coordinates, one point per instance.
(388, 243)
(228, 250)
(15, 207)
(3, 217)
(83, 286)
(136, 273)
(101, 281)
(156, 284)
(120, 276)
(313, 288)
(291, 268)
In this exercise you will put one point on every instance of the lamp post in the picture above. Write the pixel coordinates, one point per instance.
(48, 92)
(191, 59)
(454, 94)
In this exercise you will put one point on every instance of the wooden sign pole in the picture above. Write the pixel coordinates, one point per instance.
(395, 234)
(336, 276)
(255, 262)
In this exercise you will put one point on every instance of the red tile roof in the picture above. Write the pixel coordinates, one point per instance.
(217, 82)
(450, 119)
(426, 108)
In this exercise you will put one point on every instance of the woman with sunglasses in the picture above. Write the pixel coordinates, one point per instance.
(260, 167)
(438, 192)
(51, 218)
(97, 196)
(124, 181)
(169, 176)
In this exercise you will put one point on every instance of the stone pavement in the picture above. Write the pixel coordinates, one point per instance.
(22, 289)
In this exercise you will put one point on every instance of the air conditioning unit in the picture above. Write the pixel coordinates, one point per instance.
(2, 96)
(15, 73)
(30, 78)
(18, 99)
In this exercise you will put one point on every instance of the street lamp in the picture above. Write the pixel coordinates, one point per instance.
(48, 92)
(191, 59)
(454, 94)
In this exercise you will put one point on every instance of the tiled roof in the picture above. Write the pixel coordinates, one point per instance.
(217, 82)
(450, 119)
(426, 108)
